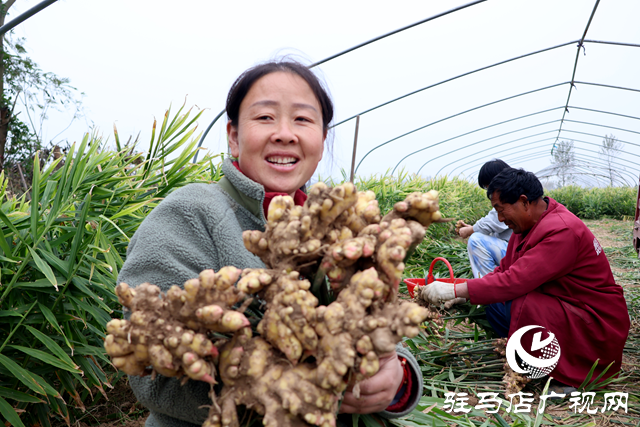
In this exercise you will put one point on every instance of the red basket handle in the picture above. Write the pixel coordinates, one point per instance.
(430, 277)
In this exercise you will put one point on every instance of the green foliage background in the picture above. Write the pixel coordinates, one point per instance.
(61, 254)
(595, 203)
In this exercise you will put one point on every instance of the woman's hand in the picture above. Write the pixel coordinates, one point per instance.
(377, 392)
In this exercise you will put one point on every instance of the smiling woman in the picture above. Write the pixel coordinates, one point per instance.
(279, 136)
(279, 116)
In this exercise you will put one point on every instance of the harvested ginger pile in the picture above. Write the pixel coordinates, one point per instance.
(293, 366)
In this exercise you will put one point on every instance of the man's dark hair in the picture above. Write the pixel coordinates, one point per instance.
(512, 183)
(490, 170)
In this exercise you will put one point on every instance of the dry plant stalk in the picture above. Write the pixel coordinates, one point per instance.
(294, 371)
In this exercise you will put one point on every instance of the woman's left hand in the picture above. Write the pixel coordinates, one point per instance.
(377, 392)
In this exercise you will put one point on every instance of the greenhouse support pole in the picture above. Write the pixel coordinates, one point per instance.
(355, 146)
(28, 14)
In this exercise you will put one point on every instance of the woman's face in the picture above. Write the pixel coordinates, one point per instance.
(279, 139)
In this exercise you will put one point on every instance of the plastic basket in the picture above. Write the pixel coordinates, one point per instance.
(412, 283)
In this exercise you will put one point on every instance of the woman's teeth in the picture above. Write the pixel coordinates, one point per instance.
(282, 160)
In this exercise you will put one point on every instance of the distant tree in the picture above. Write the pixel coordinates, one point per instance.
(25, 88)
(564, 162)
(610, 149)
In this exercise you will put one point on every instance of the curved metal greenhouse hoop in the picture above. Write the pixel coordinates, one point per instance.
(483, 159)
(475, 143)
(589, 164)
(475, 71)
(494, 137)
(450, 117)
(506, 61)
(496, 124)
(604, 112)
(484, 151)
(542, 154)
(525, 93)
(351, 49)
(635, 164)
(575, 67)
(479, 162)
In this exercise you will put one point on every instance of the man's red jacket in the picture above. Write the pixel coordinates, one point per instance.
(559, 277)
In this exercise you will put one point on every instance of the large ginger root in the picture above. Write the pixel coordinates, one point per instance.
(169, 332)
(421, 207)
(294, 364)
(287, 323)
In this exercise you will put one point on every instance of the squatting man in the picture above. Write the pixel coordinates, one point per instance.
(555, 275)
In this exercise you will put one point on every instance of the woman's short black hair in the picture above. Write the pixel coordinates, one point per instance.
(490, 170)
(512, 183)
(243, 84)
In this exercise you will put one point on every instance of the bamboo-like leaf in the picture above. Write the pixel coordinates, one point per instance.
(79, 169)
(46, 174)
(57, 263)
(9, 224)
(40, 283)
(10, 414)
(59, 407)
(44, 268)
(589, 375)
(42, 411)
(90, 374)
(18, 396)
(46, 358)
(66, 380)
(77, 240)
(35, 199)
(63, 184)
(48, 342)
(538, 419)
(134, 207)
(24, 376)
(78, 282)
(117, 138)
(4, 313)
(99, 315)
(594, 384)
(116, 227)
(3, 244)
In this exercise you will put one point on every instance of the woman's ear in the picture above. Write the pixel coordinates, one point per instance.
(232, 137)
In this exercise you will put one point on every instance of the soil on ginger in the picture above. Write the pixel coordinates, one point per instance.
(123, 410)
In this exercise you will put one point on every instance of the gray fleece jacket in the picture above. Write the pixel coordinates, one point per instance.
(492, 226)
(195, 228)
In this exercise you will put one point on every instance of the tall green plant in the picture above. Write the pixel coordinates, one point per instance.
(595, 203)
(60, 255)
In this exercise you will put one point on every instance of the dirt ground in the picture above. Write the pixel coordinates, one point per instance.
(123, 410)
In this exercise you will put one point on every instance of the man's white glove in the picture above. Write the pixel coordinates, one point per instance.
(437, 292)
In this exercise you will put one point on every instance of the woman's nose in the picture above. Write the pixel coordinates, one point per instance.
(284, 133)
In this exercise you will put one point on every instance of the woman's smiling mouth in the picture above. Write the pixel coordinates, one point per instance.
(285, 161)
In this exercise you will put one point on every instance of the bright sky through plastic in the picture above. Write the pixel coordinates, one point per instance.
(134, 58)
